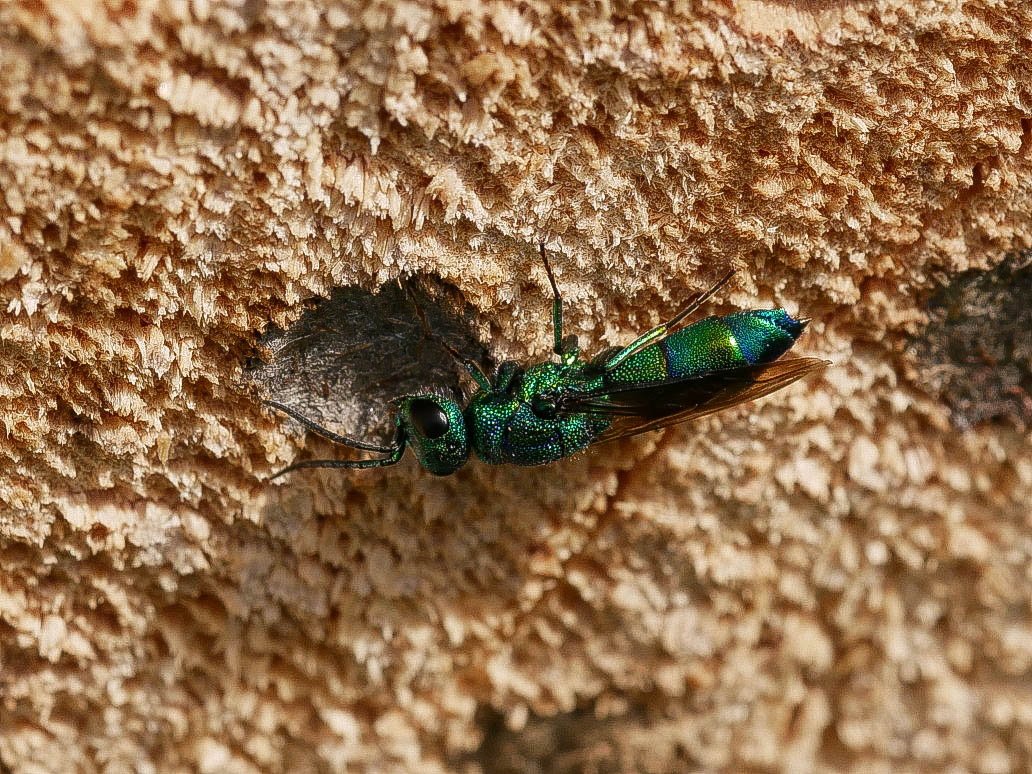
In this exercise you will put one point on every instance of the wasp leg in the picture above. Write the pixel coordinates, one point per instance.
(506, 373)
(566, 348)
(653, 335)
(472, 367)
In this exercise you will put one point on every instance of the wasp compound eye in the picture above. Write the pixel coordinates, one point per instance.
(428, 418)
(435, 428)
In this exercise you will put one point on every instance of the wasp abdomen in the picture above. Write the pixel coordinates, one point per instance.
(713, 344)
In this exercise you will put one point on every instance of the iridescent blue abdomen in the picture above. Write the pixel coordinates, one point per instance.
(713, 344)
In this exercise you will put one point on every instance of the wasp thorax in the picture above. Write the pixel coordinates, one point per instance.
(436, 431)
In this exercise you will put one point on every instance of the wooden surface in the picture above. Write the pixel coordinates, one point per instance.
(833, 580)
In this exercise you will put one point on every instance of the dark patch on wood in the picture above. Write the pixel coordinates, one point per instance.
(571, 743)
(976, 351)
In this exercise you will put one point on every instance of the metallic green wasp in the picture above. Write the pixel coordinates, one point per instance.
(547, 411)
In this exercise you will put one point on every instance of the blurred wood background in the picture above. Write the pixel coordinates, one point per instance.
(835, 579)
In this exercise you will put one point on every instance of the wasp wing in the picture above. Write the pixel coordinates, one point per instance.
(639, 408)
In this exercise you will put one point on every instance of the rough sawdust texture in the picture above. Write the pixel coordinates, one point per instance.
(834, 580)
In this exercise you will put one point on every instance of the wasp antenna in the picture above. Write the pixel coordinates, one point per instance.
(323, 432)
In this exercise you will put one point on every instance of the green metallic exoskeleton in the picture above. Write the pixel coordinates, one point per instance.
(551, 410)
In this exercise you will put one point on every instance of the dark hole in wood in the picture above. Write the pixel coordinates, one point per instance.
(350, 355)
(976, 351)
